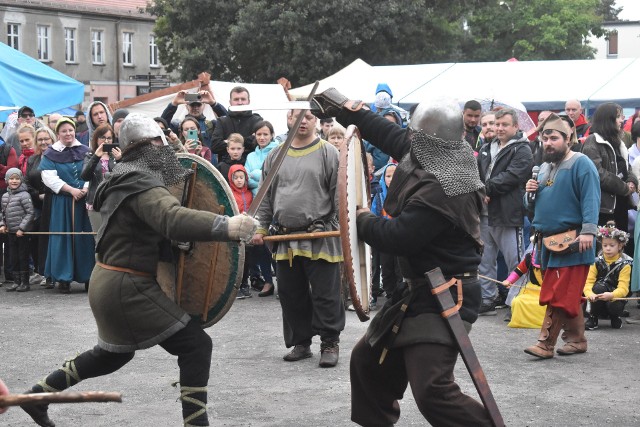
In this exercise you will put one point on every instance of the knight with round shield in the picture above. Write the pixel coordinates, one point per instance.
(139, 216)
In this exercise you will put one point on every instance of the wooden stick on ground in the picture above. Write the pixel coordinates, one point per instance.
(61, 397)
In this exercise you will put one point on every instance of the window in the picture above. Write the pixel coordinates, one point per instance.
(612, 43)
(13, 36)
(127, 48)
(70, 45)
(153, 52)
(97, 46)
(44, 43)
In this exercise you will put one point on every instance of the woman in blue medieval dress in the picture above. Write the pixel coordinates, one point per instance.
(70, 257)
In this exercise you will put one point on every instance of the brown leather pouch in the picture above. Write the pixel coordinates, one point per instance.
(562, 243)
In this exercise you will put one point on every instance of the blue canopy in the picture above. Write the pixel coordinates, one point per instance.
(26, 81)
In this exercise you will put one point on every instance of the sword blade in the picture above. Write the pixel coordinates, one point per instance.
(454, 321)
(277, 162)
(293, 105)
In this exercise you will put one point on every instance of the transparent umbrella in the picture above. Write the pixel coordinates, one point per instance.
(524, 121)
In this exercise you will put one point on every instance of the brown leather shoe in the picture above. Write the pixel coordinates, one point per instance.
(572, 348)
(540, 350)
(329, 355)
(299, 352)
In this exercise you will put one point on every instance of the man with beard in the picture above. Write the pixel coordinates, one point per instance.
(471, 117)
(434, 201)
(570, 180)
(139, 217)
(242, 122)
(488, 125)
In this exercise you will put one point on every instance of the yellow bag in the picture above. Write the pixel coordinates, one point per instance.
(526, 311)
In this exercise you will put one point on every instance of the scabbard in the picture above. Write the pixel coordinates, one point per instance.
(440, 289)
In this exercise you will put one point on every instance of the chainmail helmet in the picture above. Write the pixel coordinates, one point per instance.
(140, 154)
(136, 127)
(437, 144)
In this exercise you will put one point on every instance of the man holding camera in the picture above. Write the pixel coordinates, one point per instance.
(195, 107)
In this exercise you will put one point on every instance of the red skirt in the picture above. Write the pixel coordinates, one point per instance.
(562, 287)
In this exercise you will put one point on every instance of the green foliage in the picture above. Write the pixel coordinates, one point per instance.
(532, 30)
(260, 40)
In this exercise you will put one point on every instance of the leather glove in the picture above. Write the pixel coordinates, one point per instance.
(242, 227)
(330, 102)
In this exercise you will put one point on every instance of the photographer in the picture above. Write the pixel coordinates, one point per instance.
(101, 159)
(195, 107)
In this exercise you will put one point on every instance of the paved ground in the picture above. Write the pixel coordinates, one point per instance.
(251, 385)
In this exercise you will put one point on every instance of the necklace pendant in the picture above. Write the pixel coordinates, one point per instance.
(549, 182)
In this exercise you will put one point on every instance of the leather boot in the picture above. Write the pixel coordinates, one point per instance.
(16, 283)
(551, 326)
(573, 335)
(328, 354)
(24, 278)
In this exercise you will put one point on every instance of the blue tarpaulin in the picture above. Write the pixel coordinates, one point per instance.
(26, 81)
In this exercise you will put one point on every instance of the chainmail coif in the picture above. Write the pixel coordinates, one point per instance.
(159, 161)
(452, 162)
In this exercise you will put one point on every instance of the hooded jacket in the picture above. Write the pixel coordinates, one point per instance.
(17, 209)
(242, 195)
(505, 181)
(242, 122)
(90, 125)
(253, 165)
(377, 207)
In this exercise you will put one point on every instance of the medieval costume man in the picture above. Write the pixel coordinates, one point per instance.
(570, 180)
(434, 200)
(139, 214)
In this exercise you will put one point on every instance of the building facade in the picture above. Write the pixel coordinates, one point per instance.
(623, 40)
(107, 45)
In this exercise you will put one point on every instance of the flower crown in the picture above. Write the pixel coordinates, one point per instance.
(610, 231)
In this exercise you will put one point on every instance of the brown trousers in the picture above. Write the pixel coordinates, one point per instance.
(376, 389)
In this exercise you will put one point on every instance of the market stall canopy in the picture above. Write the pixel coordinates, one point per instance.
(26, 81)
(538, 85)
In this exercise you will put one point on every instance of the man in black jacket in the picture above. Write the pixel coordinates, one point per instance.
(505, 166)
(242, 122)
(434, 201)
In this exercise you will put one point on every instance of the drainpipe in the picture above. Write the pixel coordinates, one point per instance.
(118, 60)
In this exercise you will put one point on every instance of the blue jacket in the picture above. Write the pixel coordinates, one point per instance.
(253, 165)
(381, 196)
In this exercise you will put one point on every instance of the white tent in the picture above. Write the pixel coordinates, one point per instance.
(539, 85)
(259, 93)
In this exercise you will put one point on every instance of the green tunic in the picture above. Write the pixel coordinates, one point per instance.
(303, 191)
(139, 214)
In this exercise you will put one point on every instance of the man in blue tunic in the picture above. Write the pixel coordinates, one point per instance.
(570, 180)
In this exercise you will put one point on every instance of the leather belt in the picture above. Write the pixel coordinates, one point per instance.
(124, 270)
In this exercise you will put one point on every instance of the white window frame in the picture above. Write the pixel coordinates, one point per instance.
(13, 39)
(70, 45)
(97, 47)
(127, 48)
(44, 42)
(154, 54)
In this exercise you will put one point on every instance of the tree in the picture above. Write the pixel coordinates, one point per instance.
(608, 10)
(259, 40)
(532, 30)
(192, 35)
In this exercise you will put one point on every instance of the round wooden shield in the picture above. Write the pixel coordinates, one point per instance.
(354, 192)
(211, 271)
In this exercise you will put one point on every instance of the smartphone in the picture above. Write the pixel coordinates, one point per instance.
(108, 147)
(192, 97)
(192, 134)
(166, 132)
